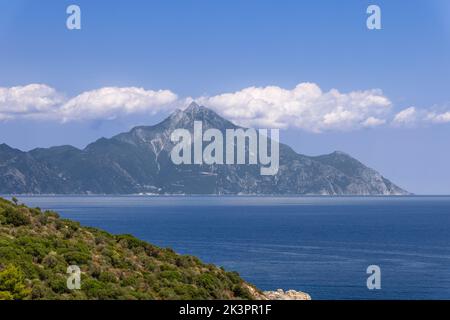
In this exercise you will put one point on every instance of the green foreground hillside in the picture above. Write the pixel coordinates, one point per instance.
(36, 248)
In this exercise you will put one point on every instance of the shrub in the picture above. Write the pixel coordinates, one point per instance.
(95, 289)
(12, 284)
(182, 262)
(4, 295)
(58, 284)
(130, 242)
(76, 257)
(42, 219)
(107, 277)
(241, 292)
(51, 214)
(208, 281)
(50, 260)
(234, 277)
(41, 291)
(171, 275)
(35, 211)
(16, 217)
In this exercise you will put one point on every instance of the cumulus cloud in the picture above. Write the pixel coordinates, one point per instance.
(29, 99)
(438, 117)
(406, 117)
(373, 122)
(38, 101)
(111, 102)
(413, 116)
(306, 106)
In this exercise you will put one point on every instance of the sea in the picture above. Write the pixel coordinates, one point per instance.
(324, 246)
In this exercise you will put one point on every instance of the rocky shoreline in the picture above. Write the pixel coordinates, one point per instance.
(279, 294)
(286, 295)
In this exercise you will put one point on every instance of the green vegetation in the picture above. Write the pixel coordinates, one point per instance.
(37, 247)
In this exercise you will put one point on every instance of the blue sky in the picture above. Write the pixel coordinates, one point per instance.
(203, 49)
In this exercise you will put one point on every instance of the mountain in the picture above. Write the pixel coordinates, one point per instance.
(139, 161)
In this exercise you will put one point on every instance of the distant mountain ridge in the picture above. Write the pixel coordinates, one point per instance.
(139, 161)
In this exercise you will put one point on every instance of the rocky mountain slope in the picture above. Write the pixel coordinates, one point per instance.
(139, 161)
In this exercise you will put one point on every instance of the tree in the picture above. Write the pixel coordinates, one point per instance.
(12, 284)
(15, 200)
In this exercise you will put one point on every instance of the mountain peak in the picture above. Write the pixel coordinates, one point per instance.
(339, 153)
(5, 147)
(195, 107)
(195, 112)
(193, 104)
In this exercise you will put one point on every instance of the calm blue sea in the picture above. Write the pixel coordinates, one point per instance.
(321, 245)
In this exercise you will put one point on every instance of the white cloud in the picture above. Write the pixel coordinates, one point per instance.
(112, 102)
(407, 116)
(29, 99)
(438, 117)
(306, 106)
(373, 122)
(38, 101)
(412, 116)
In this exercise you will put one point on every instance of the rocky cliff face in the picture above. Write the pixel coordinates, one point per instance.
(139, 161)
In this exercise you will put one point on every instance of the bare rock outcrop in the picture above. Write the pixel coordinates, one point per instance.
(278, 294)
(286, 295)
